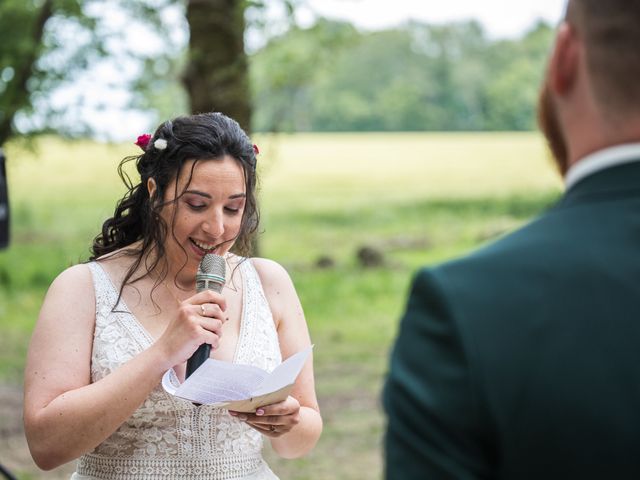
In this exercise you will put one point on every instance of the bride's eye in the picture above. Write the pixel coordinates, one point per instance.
(196, 206)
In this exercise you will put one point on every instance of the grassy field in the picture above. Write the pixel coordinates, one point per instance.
(418, 199)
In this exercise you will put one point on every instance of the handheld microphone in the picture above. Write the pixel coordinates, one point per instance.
(211, 276)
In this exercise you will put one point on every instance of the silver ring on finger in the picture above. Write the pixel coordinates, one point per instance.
(204, 313)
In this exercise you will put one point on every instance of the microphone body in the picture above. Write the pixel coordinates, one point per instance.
(211, 276)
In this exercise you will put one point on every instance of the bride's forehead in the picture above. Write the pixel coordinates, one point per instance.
(216, 172)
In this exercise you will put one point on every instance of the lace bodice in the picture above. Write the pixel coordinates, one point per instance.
(167, 437)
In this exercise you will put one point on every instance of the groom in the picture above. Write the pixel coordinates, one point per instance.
(522, 360)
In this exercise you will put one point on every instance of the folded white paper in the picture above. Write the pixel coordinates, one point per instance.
(242, 388)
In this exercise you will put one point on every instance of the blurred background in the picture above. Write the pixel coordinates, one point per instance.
(392, 135)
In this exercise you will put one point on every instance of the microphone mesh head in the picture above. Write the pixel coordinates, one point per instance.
(211, 273)
(212, 263)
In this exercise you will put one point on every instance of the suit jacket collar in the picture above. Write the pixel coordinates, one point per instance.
(620, 180)
(600, 160)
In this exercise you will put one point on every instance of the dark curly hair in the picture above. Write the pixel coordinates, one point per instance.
(137, 217)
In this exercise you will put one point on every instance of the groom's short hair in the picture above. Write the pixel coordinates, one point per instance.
(610, 30)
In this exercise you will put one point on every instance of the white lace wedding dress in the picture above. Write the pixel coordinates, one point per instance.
(167, 437)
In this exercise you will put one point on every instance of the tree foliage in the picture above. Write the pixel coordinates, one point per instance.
(330, 77)
(47, 46)
(30, 58)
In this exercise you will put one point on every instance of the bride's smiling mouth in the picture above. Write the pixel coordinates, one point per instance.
(202, 247)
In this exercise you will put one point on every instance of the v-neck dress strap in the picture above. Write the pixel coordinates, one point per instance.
(167, 437)
(258, 340)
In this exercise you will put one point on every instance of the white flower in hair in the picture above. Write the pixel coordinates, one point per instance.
(160, 144)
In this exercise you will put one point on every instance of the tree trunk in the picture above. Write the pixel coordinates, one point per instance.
(216, 77)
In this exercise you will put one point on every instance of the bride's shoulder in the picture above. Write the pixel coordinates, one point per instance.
(118, 261)
(279, 291)
(269, 270)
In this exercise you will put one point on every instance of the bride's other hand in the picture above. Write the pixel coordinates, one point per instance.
(273, 420)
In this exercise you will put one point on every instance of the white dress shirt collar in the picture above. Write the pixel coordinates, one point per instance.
(600, 160)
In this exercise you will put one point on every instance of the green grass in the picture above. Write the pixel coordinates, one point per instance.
(418, 198)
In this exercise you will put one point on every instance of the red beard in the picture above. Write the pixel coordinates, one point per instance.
(550, 126)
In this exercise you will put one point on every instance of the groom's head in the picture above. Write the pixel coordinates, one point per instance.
(591, 93)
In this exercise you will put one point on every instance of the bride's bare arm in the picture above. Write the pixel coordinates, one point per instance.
(65, 414)
(297, 420)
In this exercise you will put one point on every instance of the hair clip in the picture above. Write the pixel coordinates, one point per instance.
(160, 144)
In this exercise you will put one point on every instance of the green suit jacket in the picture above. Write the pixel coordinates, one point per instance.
(522, 360)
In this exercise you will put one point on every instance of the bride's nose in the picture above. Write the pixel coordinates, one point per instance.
(214, 225)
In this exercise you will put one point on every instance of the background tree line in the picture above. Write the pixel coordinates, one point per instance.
(329, 77)
(417, 77)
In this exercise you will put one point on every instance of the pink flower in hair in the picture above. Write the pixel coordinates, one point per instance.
(143, 141)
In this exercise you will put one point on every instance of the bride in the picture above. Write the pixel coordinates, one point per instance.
(110, 328)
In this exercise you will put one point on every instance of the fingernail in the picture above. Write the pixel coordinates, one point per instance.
(233, 414)
(242, 417)
(260, 412)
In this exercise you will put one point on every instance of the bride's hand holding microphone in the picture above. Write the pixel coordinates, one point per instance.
(198, 324)
(198, 321)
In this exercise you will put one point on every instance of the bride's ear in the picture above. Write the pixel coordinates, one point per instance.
(151, 188)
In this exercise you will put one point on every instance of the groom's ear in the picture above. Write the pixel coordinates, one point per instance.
(565, 60)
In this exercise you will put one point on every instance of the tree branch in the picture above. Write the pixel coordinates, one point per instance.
(17, 95)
